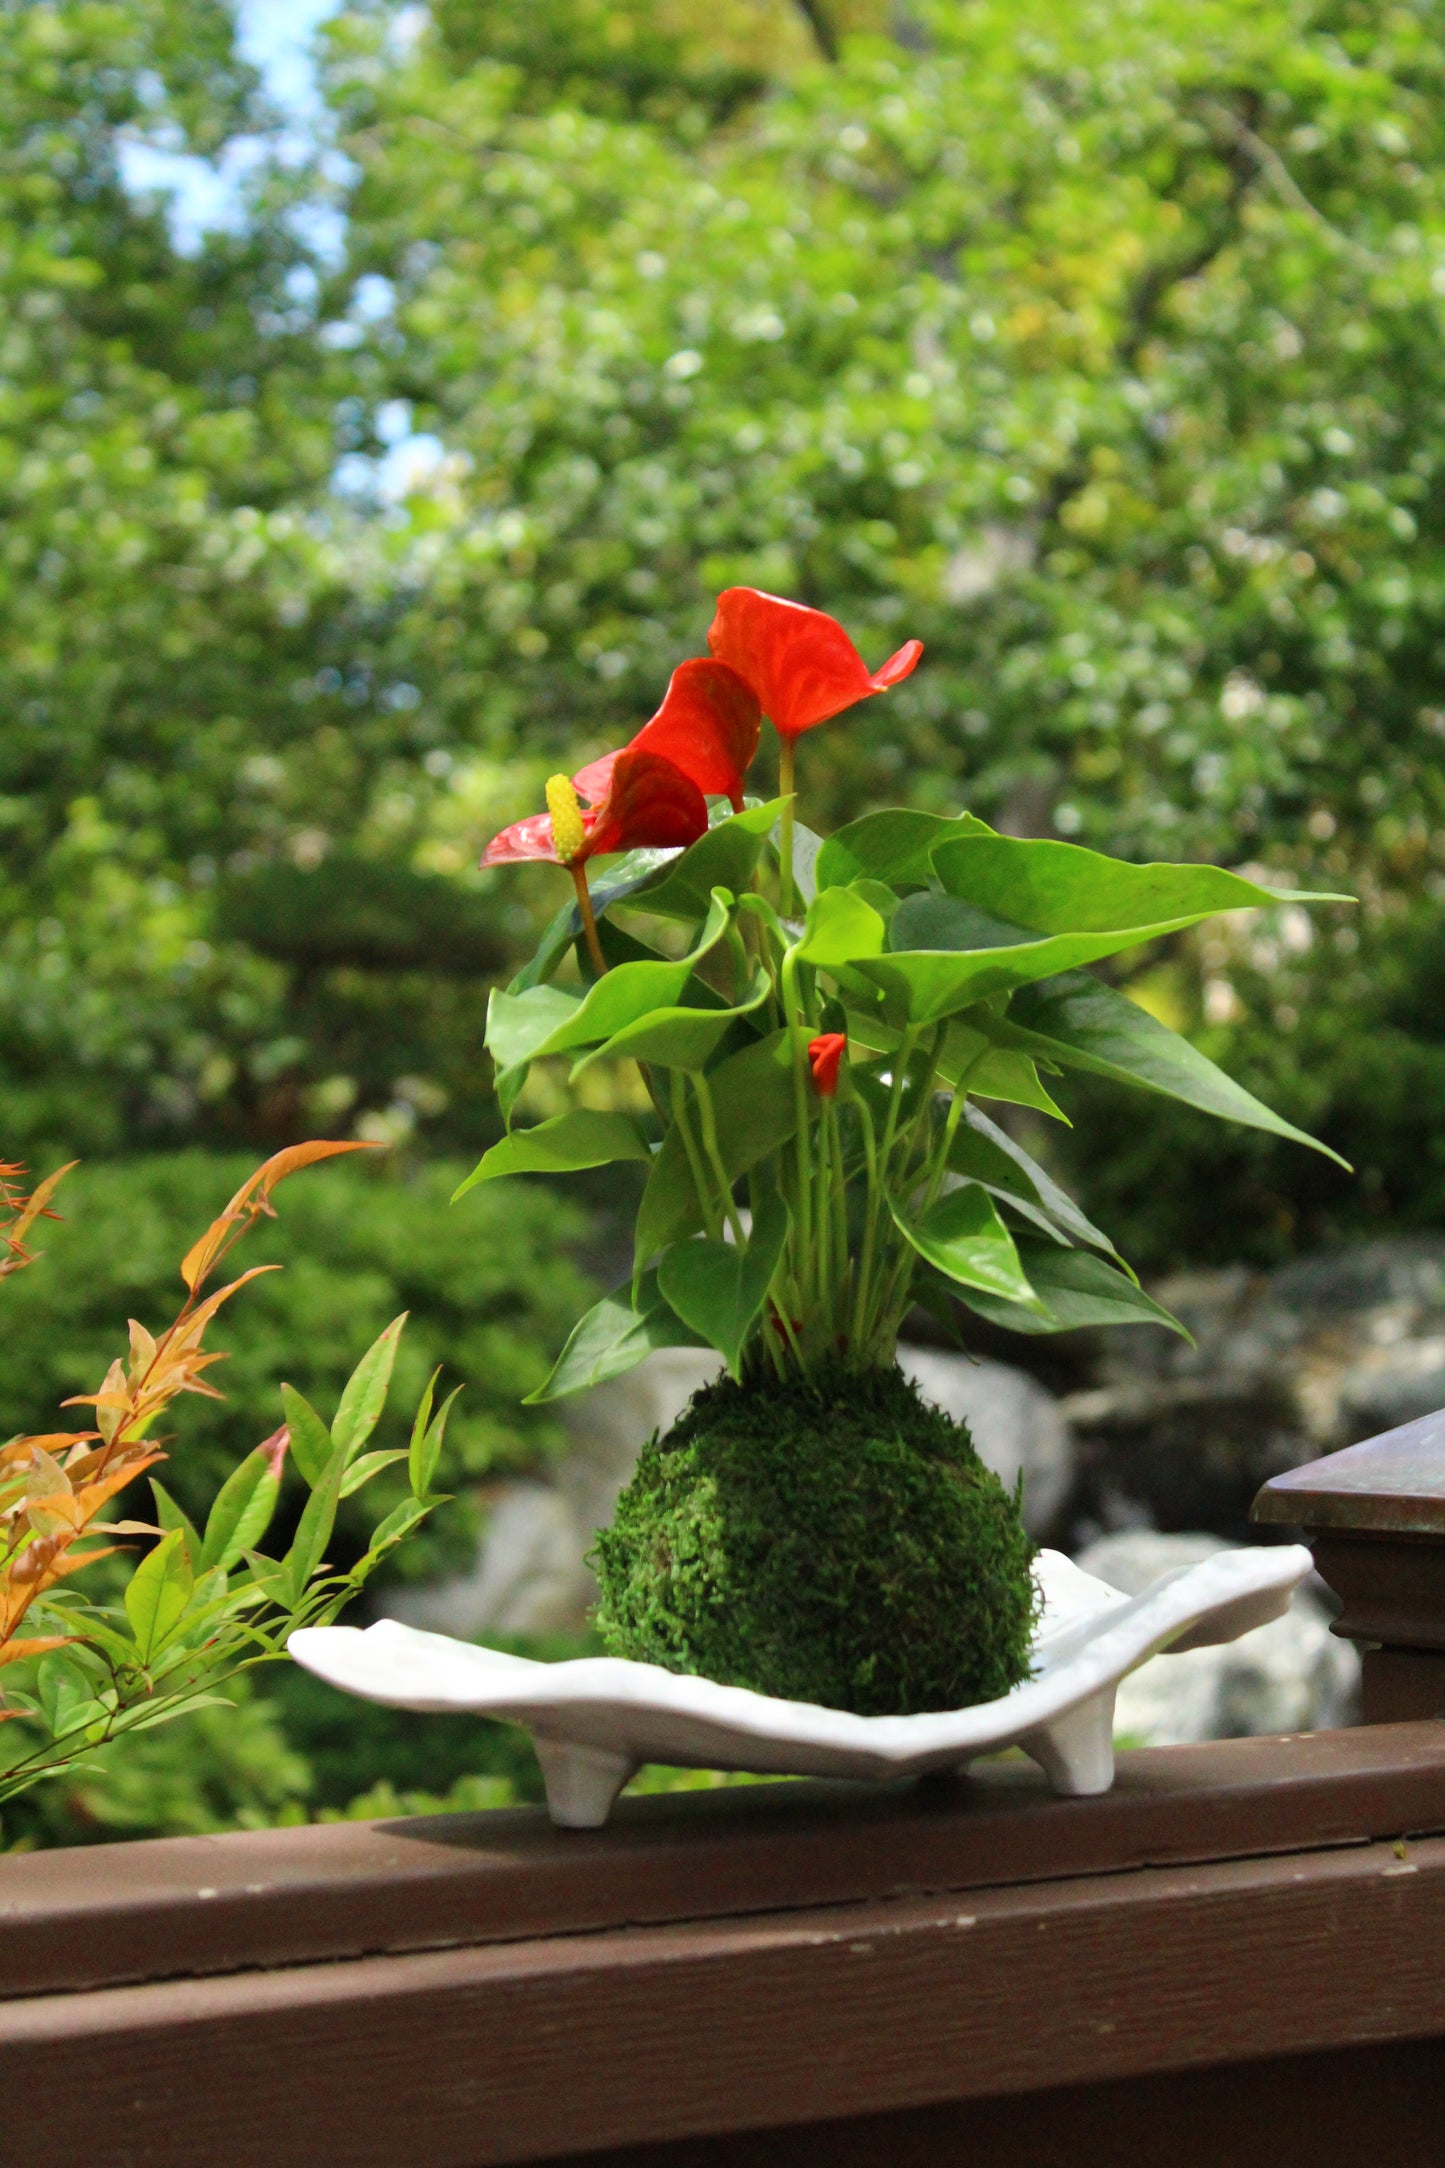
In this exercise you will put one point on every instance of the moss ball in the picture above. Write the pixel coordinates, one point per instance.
(835, 1540)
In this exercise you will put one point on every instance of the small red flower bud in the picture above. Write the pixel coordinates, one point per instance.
(826, 1055)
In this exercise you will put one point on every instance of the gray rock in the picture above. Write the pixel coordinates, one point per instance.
(1285, 1366)
(1292, 1675)
(531, 1574)
(1016, 1425)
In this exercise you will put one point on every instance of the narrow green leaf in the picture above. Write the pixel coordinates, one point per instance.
(158, 1592)
(581, 1138)
(963, 1237)
(362, 1470)
(613, 1338)
(365, 1391)
(243, 1506)
(313, 1532)
(388, 1533)
(719, 1289)
(170, 1516)
(893, 846)
(416, 1449)
(1074, 1288)
(310, 1439)
(426, 1451)
(1082, 1024)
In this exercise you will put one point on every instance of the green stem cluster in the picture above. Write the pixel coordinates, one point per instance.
(845, 1280)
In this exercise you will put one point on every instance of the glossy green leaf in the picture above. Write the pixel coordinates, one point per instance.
(718, 1289)
(893, 846)
(989, 1155)
(1082, 1024)
(1061, 888)
(757, 1110)
(807, 849)
(613, 1338)
(964, 955)
(724, 858)
(678, 1038)
(157, 1594)
(242, 1509)
(623, 996)
(518, 1024)
(364, 1394)
(963, 1237)
(1075, 1288)
(311, 1443)
(992, 1071)
(581, 1138)
(840, 928)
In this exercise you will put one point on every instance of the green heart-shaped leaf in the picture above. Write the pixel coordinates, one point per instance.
(719, 1289)
(583, 1138)
(963, 1237)
(613, 1338)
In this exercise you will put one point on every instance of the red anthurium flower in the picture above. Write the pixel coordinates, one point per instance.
(825, 1053)
(648, 803)
(800, 662)
(708, 726)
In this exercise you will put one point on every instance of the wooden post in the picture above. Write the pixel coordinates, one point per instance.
(1374, 1516)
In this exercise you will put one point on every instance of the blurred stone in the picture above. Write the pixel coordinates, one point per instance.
(1292, 1675)
(1286, 1366)
(531, 1575)
(1016, 1425)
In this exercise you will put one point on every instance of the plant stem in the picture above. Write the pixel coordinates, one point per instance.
(785, 840)
(802, 1081)
(694, 1157)
(589, 922)
(710, 1145)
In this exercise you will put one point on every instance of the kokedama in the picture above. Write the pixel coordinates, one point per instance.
(820, 1025)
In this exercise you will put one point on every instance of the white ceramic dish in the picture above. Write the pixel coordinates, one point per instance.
(596, 1720)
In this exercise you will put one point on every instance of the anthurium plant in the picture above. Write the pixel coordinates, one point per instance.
(197, 1605)
(830, 1034)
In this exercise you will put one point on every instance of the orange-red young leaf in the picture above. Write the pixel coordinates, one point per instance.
(14, 1652)
(200, 1257)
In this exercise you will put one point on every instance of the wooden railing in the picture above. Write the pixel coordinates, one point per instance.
(1237, 1956)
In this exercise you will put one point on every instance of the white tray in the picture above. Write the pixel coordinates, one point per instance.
(594, 1721)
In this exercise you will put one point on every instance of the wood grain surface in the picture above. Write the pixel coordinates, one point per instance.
(103, 1915)
(754, 1963)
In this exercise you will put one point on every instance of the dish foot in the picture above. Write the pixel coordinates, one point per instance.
(582, 1781)
(1076, 1751)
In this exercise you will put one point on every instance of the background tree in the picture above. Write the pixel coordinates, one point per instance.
(1105, 345)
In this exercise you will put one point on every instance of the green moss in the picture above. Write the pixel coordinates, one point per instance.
(837, 1541)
